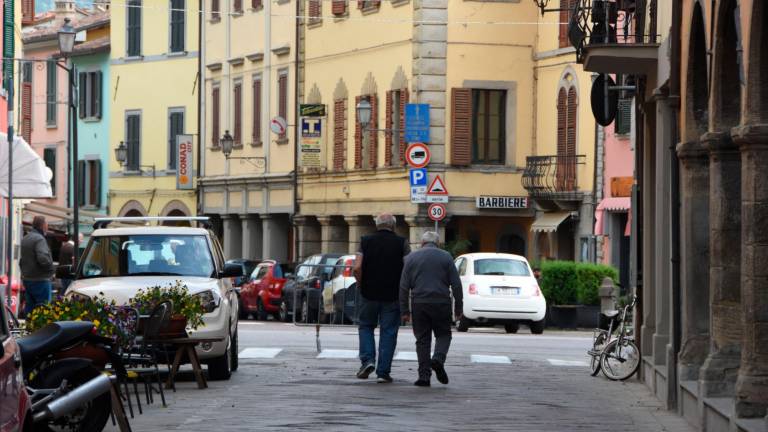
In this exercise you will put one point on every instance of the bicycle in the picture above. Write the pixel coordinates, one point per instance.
(617, 357)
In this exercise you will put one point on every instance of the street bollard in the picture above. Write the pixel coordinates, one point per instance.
(607, 294)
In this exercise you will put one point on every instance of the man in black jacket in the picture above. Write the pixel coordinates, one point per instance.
(430, 276)
(36, 265)
(377, 270)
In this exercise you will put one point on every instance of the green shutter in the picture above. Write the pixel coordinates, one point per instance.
(623, 123)
(50, 93)
(82, 173)
(96, 89)
(96, 182)
(8, 48)
(82, 93)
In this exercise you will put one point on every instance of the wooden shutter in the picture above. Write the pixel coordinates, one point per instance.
(215, 10)
(27, 12)
(315, 10)
(374, 132)
(388, 124)
(133, 126)
(26, 111)
(215, 131)
(82, 95)
(283, 99)
(461, 126)
(51, 92)
(256, 129)
(237, 5)
(238, 100)
(339, 7)
(358, 137)
(562, 121)
(566, 10)
(82, 167)
(402, 144)
(571, 125)
(623, 123)
(339, 133)
(98, 78)
(256, 4)
(360, 4)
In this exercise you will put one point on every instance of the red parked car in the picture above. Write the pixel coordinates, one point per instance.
(262, 292)
(14, 401)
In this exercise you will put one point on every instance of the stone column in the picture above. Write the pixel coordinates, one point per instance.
(308, 232)
(694, 257)
(333, 235)
(275, 236)
(718, 375)
(752, 382)
(252, 237)
(660, 246)
(357, 228)
(232, 236)
(418, 225)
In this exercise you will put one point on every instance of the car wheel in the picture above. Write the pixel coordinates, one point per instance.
(511, 327)
(220, 368)
(234, 353)
(462, 325)
(261, 314)
(537, 327)
(283, 313)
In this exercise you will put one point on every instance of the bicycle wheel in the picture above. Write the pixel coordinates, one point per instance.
(620, 361)
(594, 353)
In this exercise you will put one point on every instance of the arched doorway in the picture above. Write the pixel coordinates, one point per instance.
(132, 208)
(511, 243)
(133, 213)
(176, 208)
(176, 213)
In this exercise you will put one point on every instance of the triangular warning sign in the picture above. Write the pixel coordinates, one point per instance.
(437, 187)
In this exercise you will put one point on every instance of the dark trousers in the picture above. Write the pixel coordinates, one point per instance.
(431, 318)
(387, 316)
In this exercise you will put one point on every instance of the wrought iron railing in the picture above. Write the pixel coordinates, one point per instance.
(553, 177)
(596, 22)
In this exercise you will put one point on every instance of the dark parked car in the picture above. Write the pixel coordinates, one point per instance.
(307, 287)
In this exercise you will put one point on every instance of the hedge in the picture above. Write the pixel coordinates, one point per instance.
(568, 282)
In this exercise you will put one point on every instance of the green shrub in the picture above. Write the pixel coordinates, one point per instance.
(568, 282)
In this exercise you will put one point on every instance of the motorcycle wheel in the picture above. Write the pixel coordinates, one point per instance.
(90, 418)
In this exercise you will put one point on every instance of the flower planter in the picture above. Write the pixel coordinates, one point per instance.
(176, 327)
(565, 316)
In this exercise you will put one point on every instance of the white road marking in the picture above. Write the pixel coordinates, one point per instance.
(256, 323)
(476, 358)
(259, 353)
(406, 356)
(571, 363)
(338, 354)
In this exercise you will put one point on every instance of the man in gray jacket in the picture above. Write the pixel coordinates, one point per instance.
(430, 276)
(36, 265)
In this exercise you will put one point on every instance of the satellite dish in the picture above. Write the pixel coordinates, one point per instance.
(600, 102)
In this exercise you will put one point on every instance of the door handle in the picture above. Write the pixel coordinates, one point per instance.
(17, 360)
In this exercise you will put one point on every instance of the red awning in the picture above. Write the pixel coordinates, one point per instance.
(619, 204)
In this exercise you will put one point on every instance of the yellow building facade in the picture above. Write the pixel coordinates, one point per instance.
(509, 118)
(154, 98)
(250, 78)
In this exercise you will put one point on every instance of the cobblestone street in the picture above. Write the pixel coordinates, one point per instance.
(498, 382)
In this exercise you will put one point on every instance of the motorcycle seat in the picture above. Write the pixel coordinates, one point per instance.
(50, 339)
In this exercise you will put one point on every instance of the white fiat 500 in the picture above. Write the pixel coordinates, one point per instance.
(499, 289)
(120, 261)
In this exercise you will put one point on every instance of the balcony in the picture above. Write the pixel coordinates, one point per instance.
(552, 181)
(615, 36)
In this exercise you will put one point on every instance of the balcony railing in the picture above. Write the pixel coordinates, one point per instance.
(553, 177)
(612, 22)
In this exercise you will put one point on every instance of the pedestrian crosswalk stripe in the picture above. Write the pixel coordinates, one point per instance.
(260, 353)
(338, 354)
(476, 358)
(406, 356)
(557, 362)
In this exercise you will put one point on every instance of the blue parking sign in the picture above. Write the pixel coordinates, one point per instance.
(417, 123)
(418, 177)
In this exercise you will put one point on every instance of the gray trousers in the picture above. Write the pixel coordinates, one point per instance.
(431, 318)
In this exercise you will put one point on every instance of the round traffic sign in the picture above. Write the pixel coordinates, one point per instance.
(278, 125)
(417, 155)
(437, 212)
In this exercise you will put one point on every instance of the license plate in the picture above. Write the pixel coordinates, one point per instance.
(504, 291)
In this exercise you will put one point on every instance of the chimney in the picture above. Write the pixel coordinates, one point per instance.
(65, 6)
(101, 5)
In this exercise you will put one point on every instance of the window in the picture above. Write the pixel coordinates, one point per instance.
(90, 95)
(133, 140)
(256, 127)
(623, 123)
(215, 10)
(133, 43)
(315, 11)
(237, 5)
(90, 183)
(566, 12)
(175, 127)
(368, 4)
(488, 124)
(178, 21)
(256, 4)
(237, 99)
(500, 267)
(395, 121)
(50, 93)
(339, 133)
(49, 157)
(339, 7)
(262, 272)
(26, 102)
(567, 104)
(282, 107)
(215, 106)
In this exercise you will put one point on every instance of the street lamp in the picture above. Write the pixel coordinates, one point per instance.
(542, 5)
(227, 143)
(121, 156)
(364, 113)
(67, 38)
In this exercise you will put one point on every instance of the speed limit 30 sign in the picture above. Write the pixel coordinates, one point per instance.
(437, 212)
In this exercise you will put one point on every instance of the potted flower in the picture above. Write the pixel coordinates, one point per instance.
(187, 308)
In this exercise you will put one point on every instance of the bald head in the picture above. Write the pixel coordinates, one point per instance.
(385, 221)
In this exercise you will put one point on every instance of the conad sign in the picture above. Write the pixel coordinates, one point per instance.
(184, 160)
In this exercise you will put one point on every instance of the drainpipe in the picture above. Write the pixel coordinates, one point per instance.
(298, 68)
(200, 101)
(674, 84)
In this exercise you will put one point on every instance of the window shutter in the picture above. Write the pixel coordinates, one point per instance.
(26, 111)
(81, 168)
(360, 4)
(565, 16)
(256, 131)
(623, 123)
(339, 133)
(358, 138)
(28, 12)
(571, 125)
(402, 144)
(461, 126)
(374, 133)
(339, 7)
(51, 91)
(238, 99)
(283, 101)
(215, 132)
(388, 124)
(96, 183)
(562, 120)
(82, 94)
(256, 4)
(238, 5)
(97, 94)
(315, 10)
(215, 9)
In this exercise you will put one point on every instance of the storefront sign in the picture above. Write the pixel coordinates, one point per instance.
(312, 110)
(184, 158)
(312, 142)
(502, 202)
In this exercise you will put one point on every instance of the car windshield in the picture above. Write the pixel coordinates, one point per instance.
(147, 255)
(501, 267)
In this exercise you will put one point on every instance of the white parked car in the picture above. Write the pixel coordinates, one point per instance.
(340, 293)
(120, 261)
(500, 289)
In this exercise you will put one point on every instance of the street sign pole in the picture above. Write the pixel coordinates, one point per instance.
(8, 56)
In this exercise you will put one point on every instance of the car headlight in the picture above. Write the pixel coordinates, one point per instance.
(210, 300)
(73, 295)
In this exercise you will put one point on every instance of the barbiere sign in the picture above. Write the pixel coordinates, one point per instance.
(501, 202)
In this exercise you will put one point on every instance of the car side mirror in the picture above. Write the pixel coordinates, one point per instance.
(65, 272)
(290, 276)
(231, 271)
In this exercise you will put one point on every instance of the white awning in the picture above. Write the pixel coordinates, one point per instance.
(548, 222)
(31, 178)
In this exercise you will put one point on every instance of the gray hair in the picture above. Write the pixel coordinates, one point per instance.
(430, 237)
(386, 221)
(38, 222)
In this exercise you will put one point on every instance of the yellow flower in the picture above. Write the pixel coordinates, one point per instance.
(78, 319)
(96, 323)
